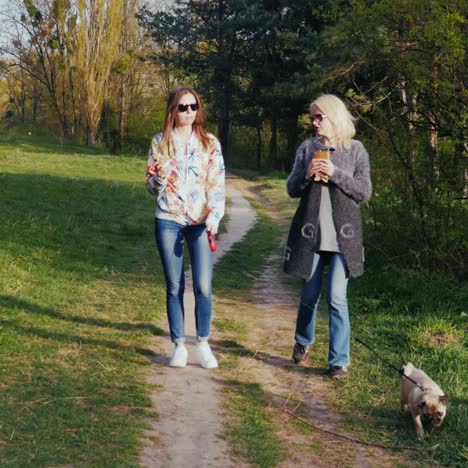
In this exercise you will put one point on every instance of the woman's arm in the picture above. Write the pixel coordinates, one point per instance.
(297, 182)
(156, 168)
(215, 188)
(359, 185)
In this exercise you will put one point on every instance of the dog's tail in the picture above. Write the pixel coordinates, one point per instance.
(406, 370)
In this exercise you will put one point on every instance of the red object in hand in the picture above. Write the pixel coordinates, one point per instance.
(211, 241)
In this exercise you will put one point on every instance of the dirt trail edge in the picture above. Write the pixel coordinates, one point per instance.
(188, 403)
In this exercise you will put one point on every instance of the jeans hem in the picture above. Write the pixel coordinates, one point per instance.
(303, 343)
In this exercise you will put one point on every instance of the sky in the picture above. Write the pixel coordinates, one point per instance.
(8, 7)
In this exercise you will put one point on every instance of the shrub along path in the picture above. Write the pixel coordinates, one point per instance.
(200, 422)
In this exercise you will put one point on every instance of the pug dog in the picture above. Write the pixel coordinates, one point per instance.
(426, 400)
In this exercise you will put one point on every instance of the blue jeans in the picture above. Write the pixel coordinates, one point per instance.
(170, 238)
(339, 342)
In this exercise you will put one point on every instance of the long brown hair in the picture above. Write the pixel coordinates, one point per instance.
(166, 145)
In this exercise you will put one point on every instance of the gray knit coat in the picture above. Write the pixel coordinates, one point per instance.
(349, 186)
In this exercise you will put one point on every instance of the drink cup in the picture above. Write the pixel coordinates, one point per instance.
(321, 154)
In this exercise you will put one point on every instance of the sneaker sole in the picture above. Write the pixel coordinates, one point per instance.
(338, 377)
(299, 363)
(209, 367)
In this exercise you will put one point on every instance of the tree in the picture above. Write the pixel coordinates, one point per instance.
(36, 48)
(249, 57)
(93, 36)
(126, 75)
(203, 39)
(283, 67)
(404, 63)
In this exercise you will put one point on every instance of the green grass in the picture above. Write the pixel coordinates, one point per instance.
(249, 428)
(409, 317)
(81, 288)
(228, 325)
(235, 272)
(405, 316)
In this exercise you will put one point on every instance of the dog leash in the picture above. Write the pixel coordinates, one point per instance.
(400, 371)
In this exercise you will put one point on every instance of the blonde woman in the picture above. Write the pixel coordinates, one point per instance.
(331, 176)
(185, 172)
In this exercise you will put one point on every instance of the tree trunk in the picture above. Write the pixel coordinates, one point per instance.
(74, 108)
(259, 146)
(273, 150)
(35, 101)
(433, 133)
(291, 136)
(224, 119)
(223, 134)
(124, 104)
(223, 77)
(91, 140)
(23, 103)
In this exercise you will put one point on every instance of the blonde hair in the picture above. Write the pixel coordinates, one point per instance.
(341, 119)
(166, 145)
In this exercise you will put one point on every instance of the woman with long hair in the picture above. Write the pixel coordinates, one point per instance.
(185, 172)
(331, 176)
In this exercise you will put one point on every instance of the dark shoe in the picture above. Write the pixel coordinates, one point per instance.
(300, 353)
(338, 372)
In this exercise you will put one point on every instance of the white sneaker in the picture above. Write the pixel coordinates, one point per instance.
(179, 358)
(206, 357)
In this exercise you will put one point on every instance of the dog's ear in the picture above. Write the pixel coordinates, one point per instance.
(444, 399)
(421, 404)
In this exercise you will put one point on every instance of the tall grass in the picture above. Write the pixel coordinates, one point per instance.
(80, 291)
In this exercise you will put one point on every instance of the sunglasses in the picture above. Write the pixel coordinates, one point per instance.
(317, 117)
(184, 107)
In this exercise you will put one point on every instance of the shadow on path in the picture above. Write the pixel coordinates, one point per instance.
(236, 349)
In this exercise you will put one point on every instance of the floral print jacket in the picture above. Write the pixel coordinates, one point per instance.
(189, 187)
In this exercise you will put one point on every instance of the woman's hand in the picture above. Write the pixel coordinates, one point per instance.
(156, 169)
(213, 228)
(324, 166)
(312, 168)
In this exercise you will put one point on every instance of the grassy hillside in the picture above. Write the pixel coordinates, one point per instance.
(80, 290)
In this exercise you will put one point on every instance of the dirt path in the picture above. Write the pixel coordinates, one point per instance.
(190, 418)
(270, 312)
(188, 401)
